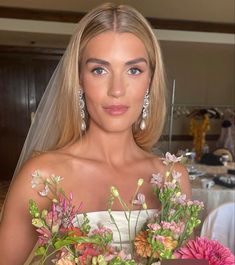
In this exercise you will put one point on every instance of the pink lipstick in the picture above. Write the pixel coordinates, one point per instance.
(116, 110)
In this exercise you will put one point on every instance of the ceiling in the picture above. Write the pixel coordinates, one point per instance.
(212, 11)
(197, 10)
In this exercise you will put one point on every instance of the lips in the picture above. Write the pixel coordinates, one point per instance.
(116, 109)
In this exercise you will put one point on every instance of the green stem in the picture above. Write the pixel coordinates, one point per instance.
(137, 220)
(114, 222)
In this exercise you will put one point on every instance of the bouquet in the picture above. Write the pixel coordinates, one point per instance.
(66, 240)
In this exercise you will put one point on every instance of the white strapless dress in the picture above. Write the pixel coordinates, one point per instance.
(102, 218)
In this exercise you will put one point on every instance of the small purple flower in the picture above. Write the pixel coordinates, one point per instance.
(176, 175)
(169, 158)
(170, 185)
(140, 199)
(157, 180)
(179, 199)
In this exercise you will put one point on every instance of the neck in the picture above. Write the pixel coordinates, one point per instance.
(114, 148)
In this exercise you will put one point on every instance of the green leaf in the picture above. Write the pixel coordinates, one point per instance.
(33, 209)
(40, 251)
(77, 240)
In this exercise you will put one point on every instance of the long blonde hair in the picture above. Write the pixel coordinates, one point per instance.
(118, 18)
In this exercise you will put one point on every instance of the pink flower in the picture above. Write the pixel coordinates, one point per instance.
(154, 227)
(176, 175)
(203, 248)
(169, 158)
(157, 180)
(140, 199)
(45, 235)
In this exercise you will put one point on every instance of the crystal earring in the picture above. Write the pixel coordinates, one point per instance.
(145, 111)
(82, 106)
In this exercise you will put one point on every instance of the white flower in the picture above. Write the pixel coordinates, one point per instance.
(45, 191)
(57, 179)
(169, 158)
(176, 175)
(36, 178)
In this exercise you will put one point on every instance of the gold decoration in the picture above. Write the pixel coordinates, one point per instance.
(198, 129)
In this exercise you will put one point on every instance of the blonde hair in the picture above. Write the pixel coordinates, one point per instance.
(118, 18)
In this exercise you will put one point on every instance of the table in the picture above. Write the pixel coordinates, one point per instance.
(217, 195)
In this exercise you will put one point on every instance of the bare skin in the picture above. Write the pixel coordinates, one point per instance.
(107, 154)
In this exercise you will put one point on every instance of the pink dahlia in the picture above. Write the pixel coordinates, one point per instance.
(203, 248)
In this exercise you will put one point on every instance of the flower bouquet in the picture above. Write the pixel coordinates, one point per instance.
(66, 240)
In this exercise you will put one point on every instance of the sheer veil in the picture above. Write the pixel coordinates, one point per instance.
(44, 130)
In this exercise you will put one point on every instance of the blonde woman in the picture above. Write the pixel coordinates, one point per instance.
(102, 111)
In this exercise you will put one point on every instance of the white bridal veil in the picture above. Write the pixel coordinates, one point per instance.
(44, 130)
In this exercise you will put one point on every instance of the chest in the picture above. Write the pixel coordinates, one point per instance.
(91, 186)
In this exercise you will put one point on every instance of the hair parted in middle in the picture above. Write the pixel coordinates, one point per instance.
(120, 19)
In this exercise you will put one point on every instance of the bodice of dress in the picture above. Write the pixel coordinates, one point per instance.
(102, 218)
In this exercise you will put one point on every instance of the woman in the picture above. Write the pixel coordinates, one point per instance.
(113, 64)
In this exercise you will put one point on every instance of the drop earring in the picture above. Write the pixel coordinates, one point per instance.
(82, 106)
(145, 111)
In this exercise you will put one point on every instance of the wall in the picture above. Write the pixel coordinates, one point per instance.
(205, 75)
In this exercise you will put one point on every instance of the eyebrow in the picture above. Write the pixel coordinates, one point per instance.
(103, 62)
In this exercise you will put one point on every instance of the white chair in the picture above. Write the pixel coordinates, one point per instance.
(219, 225)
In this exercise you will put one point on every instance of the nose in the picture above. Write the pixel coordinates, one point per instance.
(116, 86)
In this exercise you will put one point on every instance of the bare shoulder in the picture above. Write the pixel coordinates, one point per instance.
(21, 186)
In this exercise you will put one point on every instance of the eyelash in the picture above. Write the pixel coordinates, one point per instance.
(136, 69)
(94, 71)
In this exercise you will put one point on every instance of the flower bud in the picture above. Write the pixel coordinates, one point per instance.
(37, 222)
(114, 191)
(44, 213)
(101, 260)
(144, 206)
(168, 173)
(94, 261)
(140, 182)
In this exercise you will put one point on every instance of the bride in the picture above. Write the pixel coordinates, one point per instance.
(102, 111)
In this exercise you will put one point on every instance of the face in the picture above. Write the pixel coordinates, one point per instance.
(115, 76)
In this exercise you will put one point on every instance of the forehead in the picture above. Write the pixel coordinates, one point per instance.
(113, 44)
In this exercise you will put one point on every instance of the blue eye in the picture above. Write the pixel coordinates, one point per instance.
(99, 71)
(134, 71)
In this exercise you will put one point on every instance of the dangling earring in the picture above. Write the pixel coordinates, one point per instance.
(145, 111)
(82, 105)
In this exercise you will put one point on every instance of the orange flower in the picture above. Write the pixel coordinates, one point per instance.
(169, 242)
(75, 231)
(142, 246)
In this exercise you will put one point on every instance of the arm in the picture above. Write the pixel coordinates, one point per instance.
(17, 235)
